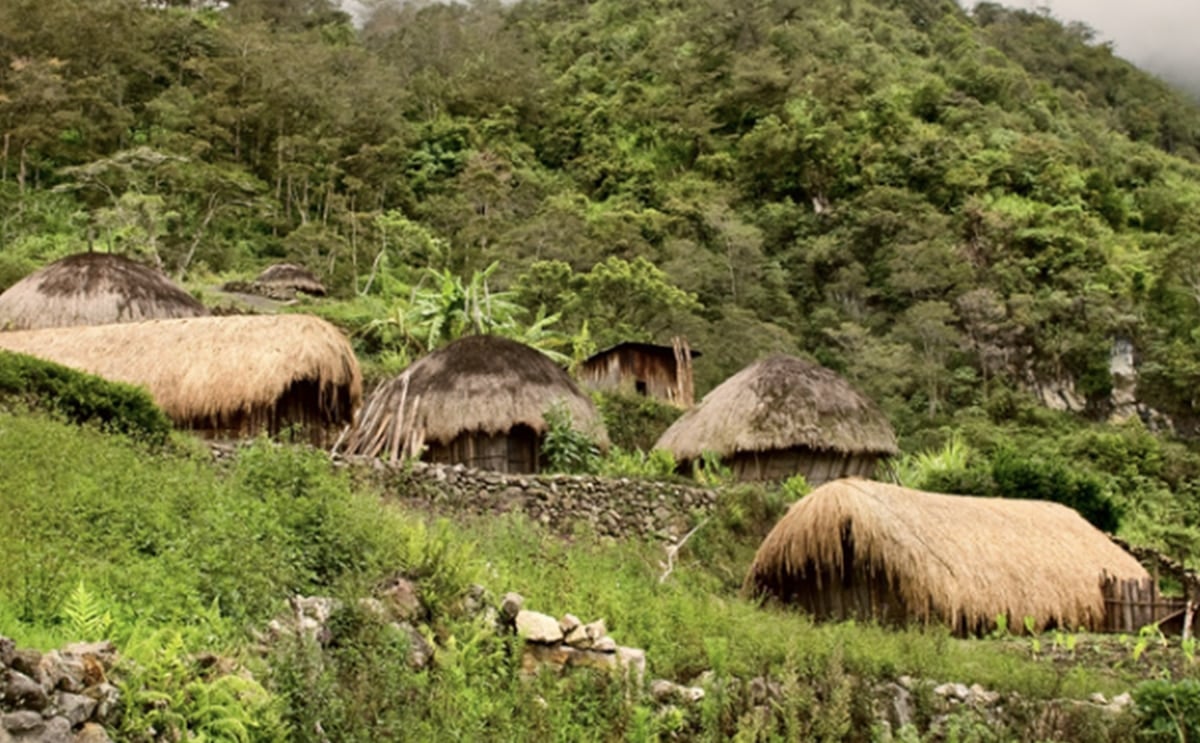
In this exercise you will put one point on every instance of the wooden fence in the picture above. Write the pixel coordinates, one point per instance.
(1130, 605)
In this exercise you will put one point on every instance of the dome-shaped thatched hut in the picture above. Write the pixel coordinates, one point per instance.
(783, 416)
(856, 549)
(220, 376)
(93, 289)
(478, 401)
(287, 279)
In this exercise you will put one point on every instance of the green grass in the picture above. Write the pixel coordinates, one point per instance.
(167, 554)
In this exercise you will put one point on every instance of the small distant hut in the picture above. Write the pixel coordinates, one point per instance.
(220, 376)
(285, 279)
(479, 401)
(856, 549)
(783, 416)
(93, 289)
(661, 372)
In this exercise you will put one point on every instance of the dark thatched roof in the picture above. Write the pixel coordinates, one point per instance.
(957, 559)
(289, 276)
(482, 383)
(217, 372)
(780, 403)
(93, 289)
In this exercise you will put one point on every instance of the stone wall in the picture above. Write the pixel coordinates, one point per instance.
(617, 507)
(63, 696)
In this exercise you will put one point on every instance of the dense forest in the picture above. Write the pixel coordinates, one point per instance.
(942, 205)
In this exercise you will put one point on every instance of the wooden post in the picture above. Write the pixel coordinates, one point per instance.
(685, 381)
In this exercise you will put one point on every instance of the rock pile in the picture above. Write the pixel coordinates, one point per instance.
(565, 643)
(63, 696)
(308, 618)
(896, 704)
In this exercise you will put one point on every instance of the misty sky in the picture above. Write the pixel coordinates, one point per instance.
(1158, 35)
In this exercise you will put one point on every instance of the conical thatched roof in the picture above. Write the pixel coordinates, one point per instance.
(290, 277)
(481, 383)
(93, 289)
(217, 373)
(780, 403)
(958, 559)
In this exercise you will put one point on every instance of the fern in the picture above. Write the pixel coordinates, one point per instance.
(86, 616)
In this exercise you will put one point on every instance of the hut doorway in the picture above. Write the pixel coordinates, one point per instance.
(515, 451)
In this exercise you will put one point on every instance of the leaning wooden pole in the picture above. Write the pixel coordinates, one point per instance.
(685, 381)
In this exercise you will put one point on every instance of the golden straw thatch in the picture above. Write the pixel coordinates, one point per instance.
(93, 289)
(856, 548)
(781, 403)
(289, 277)
(222, 375)
(479, 386)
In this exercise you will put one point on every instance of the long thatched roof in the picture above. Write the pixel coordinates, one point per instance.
(289, 276)
(780, 403)
(217, 373)
(93, 289)
(477, 384)
(958, 559)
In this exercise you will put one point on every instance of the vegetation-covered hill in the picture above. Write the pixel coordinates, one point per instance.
(941, 204)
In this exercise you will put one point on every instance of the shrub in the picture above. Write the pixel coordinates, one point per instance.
(81, 398)
(659, 463)
(634, 421)
(1037, 478)
(1168, 711)
(566, 448)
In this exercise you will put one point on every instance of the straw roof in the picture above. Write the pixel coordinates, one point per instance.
(963, 560)
(93, 289)
(289, 276)
(216, 372)
(477, 384)
(780, 403)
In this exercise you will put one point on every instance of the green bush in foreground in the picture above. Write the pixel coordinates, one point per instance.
(81, 398)
(1169, 711)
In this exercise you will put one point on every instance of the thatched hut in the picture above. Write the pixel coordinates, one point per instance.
(220, 376)
(287, 279)
(478, 401)
(93, 289)
(783, 416)
(661, 372)
(867, 550)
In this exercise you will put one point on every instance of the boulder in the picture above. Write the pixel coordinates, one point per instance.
(24, 692)
(91, 733)
(104, 651)
(402, 599)
(59, 671)
(76, 708)
(24, 721)
(981, 696)
(8, 649)
(568, 624)
(633, 662)
(26, 661)
(539, 628)
(107, 698)
(665, 692)
(511, 606)
(56, 730)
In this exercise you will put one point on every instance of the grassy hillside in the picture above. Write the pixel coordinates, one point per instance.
(170, 556)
